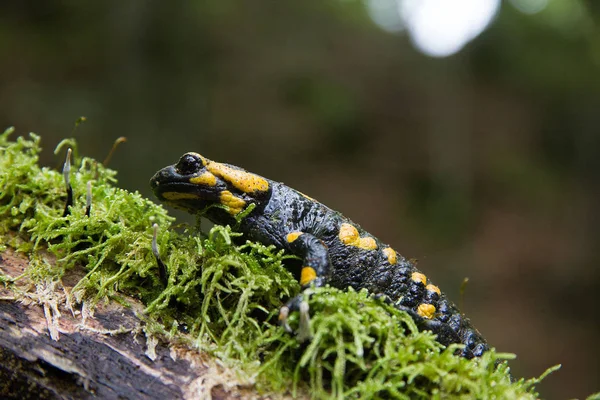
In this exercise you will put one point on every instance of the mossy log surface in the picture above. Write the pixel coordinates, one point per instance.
(47, 355)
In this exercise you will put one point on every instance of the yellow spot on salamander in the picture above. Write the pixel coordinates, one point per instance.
(206, 179)
(426, 310)
(293, 236)
(235, 204)
(179, 195)
(390, 254)
(433, 288)
(349, 236)
(240, 179)
(419, 277)
(307, 275)
(368, 243)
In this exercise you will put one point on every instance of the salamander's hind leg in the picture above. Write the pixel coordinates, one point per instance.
(315, 269)
(445, 334)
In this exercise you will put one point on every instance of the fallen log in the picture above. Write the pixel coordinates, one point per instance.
(48, 351)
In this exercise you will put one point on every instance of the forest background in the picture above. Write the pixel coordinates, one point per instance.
(480, 160)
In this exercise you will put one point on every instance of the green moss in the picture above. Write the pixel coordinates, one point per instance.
(223, 295)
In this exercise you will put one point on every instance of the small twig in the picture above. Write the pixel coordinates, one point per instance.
(117, 142)
(66, 172)
(88, 206)
(162, 268)
(463, 289)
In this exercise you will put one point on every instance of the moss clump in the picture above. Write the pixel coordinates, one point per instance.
(223, 295)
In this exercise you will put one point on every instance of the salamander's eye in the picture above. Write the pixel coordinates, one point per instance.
(189, 164)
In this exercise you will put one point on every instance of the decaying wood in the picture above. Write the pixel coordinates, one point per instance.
(48, 351)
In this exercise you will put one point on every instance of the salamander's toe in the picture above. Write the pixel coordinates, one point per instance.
(304, 332)
(297, 304)
(284, 312)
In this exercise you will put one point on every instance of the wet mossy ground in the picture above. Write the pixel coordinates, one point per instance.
(223, 293)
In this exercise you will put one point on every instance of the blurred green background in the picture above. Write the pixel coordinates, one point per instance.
(483, 163)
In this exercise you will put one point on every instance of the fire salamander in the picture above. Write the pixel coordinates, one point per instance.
(334, 250)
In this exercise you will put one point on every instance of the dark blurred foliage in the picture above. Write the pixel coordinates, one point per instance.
(485, 164)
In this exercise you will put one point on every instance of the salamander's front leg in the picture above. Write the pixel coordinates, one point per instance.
(315, 258)
(315, 269)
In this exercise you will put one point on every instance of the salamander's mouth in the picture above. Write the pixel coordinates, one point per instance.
(177, 191)
(168, 180)
(169, 190)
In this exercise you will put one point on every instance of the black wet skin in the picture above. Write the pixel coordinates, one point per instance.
(281, 210)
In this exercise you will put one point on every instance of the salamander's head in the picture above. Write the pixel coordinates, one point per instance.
(196, 182)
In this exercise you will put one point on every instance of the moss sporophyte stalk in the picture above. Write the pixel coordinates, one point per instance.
(223, 293)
